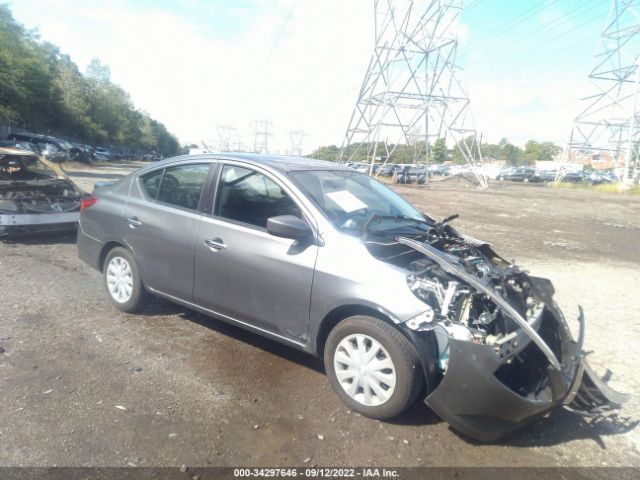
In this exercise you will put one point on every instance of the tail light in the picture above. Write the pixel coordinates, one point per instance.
(86, 202)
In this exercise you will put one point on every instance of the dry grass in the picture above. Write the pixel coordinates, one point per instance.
(605, 187)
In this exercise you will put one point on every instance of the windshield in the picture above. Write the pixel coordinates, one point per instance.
(351, 200)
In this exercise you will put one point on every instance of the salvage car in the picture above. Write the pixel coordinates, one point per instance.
(327, 260)
(54, 149)
(412, 175)
(519, 174)
(35, 195)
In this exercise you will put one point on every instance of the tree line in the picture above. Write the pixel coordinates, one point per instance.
(439, 152)
(43, 90)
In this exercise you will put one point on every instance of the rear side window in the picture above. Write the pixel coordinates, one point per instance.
(248, 196)
(150, 183)
(182, 186)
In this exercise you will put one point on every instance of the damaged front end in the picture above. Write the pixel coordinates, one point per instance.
(505, 354)
(35, 195)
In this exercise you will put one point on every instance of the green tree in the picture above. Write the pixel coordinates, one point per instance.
(439, 151)
(534, 151)
(330, 153)
(464, 148)
(513, 155)
(548, 150)
(43, 90)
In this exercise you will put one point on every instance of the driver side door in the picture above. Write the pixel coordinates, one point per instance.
(243, 272)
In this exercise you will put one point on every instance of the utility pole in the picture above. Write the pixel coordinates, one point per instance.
(261, 133)
(413, 81)
(608, 122)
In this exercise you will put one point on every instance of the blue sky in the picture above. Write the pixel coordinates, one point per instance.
(194, 64)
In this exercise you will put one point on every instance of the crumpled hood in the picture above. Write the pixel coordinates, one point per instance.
(496, 349)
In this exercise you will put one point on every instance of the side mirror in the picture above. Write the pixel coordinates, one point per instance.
(288, 226)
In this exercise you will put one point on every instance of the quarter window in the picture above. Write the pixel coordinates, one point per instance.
(182, 186)
(151, 182)
(248, 196)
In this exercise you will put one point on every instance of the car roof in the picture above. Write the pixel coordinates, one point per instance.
(276, 162)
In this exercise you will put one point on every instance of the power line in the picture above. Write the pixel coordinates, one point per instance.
(472, 5)
(500, 62)
(277, 38)
(517, 20)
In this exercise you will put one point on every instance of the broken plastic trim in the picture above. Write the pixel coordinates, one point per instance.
(452, 269)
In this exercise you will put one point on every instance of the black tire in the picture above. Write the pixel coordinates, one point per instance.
(139, 297)
(409, 377)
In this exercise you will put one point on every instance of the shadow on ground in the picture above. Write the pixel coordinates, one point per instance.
(567, 425)
(563, 426)
(161, 307)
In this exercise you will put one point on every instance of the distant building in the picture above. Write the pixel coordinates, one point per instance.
(603, 160)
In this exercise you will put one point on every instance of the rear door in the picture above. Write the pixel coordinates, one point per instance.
(162, 218)
(242, 271)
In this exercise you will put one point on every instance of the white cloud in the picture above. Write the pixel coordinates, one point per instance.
(192, 78)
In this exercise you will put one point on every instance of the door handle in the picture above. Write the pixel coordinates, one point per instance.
(215, 244)
(134, 222)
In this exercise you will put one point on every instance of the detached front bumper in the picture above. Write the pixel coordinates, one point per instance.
(487, 397)
(475, 402)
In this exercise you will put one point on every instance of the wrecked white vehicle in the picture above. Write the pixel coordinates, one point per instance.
(35, 195)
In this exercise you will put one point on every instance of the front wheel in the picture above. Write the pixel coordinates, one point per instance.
(372, 367)
(122, 281)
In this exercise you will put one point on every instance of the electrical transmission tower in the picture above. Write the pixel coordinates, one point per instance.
(609, 121)
(225, 135)
(261, 133)
(238, 145)
(297, 138)
(413, 85)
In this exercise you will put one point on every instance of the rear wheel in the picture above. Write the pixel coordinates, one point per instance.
(122, 281)
(372, 367)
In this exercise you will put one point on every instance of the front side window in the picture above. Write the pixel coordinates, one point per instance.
(247, 196)
(182, 185)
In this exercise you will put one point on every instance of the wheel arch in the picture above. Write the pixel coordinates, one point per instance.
(105, 251)
(340, 313)
(425, 345)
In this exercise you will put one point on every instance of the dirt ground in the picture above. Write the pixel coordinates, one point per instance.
(82, 384)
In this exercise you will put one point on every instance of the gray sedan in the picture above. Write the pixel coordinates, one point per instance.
(327, 260)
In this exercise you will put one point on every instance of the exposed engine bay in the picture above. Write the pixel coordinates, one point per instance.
(505, 353)
(35, 194)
